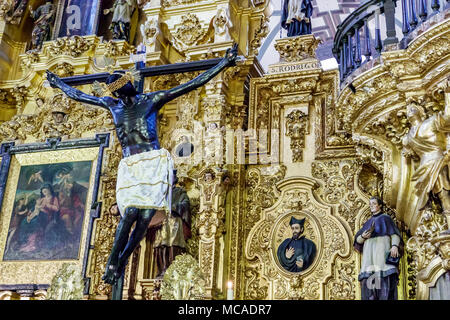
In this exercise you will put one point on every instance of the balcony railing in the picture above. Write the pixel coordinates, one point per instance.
(353, 43)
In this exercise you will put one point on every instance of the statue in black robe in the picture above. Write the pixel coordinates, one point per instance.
(381, 245)
(297, 253)
(296, 17)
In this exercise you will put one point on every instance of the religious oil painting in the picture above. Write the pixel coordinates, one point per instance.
(296, 243)
(48, 212)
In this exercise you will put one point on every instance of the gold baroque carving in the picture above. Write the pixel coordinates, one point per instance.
(30, 58)
(339, 187)
(369, 151)
(63, 70)
(297, 48)
(296, 198)
(170, 3)
(332, 139)
(183, 280)
(254, 289)
(393, 126)
(261, 192)
(115, 49)
(20, 94)
(59, 117)
(150, 30)
(296, 129)
(342, 286)
(106, 226)
(400, 70)
(297, 85)
(11, 15)
(260, 33)
(421, 245)
(189, 33)
(442, 242)
(67, 284)
(73, 46)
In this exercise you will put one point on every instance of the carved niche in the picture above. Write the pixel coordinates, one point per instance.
(297, 129)
(328, 234)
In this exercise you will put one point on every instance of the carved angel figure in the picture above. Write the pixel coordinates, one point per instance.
(222, 25)
(427, 138)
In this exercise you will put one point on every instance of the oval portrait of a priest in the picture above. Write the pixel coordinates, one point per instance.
(297, 250)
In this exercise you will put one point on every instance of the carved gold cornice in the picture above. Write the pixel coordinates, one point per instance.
(416, 63)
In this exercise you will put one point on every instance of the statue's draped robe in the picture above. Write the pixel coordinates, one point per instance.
(170, 235)
(428, 141)
(123, 12)
(304, 248)
(121, 21)
(293, 17)
(378, 279)
(43, 18)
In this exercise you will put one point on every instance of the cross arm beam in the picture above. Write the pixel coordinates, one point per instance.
(181, 67)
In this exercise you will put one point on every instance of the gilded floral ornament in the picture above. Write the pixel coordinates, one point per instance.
(13, 11)
(67, 284)
(442, 242)
(262, 192)
(254, 289)
(260, 33)
(29, 59)
(183, 280)
(369, 151)
(296, 129)
(342, 284)
(171, 3)
(73, 46)
(108, 222)
(393, 126)
(114, 49)
(422, 246)
(222, 25)
(189, 33)
(297, 85)
(58, 117)
(210, 222)
(150, 31)
(63, 70)
(297, 48)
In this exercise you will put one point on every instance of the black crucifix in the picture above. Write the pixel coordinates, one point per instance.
(135, 117)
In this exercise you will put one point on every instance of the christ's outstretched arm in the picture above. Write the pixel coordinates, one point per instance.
(165, 96)
(75, 94)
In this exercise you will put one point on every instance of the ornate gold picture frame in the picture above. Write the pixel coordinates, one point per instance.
(48, 201)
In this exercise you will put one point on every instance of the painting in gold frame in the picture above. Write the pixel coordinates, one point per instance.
(43, 171)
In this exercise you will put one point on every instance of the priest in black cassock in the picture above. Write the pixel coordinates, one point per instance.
(296, 17)
(297, 253)
(380, 243)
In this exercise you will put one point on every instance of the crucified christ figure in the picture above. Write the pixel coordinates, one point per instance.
(144, 178)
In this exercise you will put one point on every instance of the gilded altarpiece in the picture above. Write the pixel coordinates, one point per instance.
(380, 114)
(311, 150)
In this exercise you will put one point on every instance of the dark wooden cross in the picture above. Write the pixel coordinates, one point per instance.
(145, 72)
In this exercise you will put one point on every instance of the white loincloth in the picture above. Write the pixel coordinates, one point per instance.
(144, 181)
